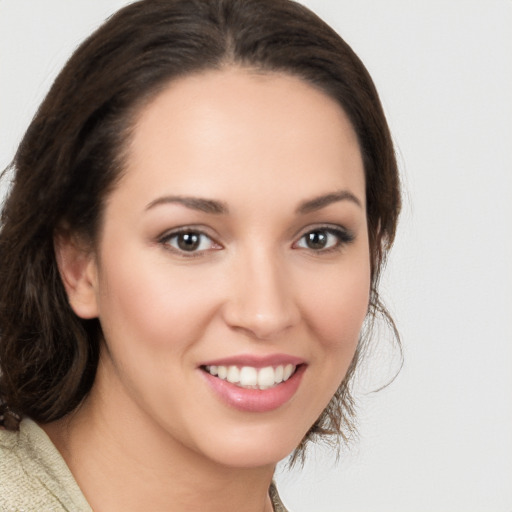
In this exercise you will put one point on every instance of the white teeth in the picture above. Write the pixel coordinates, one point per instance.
(253, 378)
(248, 376)
(222, 372)
(279, 374)
(266, 377)
(233, 374)
(288, 370)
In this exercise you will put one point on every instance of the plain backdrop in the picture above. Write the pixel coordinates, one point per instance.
(440, 437)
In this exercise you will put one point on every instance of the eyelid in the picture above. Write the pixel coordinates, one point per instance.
(164, 238)
(344, 235)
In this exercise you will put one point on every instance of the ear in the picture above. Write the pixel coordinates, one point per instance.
(79, 274)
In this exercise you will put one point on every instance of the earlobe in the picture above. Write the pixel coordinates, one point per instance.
(78, 271)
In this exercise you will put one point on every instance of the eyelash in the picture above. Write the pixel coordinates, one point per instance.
(342, 237)
(165, 240)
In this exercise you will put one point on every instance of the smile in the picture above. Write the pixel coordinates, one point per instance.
(252, 383)
(249, 377)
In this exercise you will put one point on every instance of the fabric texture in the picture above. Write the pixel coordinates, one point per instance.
(276, 500)
(35, 478)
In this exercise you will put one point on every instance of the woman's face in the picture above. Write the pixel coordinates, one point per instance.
(232, 273)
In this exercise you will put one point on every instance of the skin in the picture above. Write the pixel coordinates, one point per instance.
(262, 145)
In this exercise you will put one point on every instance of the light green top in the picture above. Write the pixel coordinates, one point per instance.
(35, 478)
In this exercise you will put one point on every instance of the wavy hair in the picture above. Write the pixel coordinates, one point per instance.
(73, 153)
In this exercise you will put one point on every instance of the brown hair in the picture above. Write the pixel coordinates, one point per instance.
(72, 155)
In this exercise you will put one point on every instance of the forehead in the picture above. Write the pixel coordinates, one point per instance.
(261, 131)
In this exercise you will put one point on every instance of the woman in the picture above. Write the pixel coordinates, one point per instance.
(198, 218)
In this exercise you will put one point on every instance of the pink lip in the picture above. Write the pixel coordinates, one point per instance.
(255, 361)
(254, 400)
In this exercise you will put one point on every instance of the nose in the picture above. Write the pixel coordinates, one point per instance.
(261, 301)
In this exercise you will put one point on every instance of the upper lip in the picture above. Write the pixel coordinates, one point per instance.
(256, 361)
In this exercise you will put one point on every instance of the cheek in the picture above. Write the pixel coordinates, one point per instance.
(334, 312)
(151, 304)
(336, 307)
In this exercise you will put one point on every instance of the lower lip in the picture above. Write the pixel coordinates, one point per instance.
(255, 400)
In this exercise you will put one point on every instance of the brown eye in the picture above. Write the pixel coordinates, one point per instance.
(324, 239)
(316, 240)
(190, 242)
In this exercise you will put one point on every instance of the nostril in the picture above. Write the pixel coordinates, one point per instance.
(263, 326)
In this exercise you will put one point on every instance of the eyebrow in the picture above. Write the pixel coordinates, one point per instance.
(317, 203)
(194, 203)
(219, 207)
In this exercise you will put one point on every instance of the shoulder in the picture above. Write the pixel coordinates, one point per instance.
(33, 475)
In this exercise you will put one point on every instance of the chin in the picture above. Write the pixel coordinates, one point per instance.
(253, 447)
(252, 457)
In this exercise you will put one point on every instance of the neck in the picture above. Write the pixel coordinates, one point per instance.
(122, 460)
